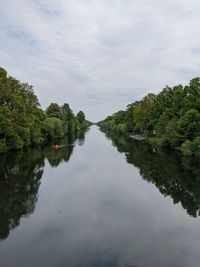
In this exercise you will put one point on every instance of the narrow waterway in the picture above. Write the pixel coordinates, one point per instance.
(98, 203)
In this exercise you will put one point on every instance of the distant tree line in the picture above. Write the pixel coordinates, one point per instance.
(24, 123)
(169, 119)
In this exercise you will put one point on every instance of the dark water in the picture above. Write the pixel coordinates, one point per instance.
(89, 205)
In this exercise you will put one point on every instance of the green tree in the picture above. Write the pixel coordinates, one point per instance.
(81, 117)
(23, 122)
(141, 113)
(54, 110)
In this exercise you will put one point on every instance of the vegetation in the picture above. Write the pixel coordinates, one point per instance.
(24, 123)
(169, 119)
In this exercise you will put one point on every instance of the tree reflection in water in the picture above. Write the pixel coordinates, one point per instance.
(20, 177)
(174, 176)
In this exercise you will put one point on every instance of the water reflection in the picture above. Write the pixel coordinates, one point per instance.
(20, 178)
(97, 211)
(174, 176)
(20, 175)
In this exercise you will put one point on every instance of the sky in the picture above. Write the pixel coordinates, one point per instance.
(99, 55)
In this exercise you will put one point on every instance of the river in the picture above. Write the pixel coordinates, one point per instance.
(99, 202)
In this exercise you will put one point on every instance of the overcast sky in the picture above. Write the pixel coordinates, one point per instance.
(99, 55)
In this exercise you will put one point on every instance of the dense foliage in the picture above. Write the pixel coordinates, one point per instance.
(169, 119)
(24, 123)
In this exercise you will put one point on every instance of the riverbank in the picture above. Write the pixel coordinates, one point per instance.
(22, 121)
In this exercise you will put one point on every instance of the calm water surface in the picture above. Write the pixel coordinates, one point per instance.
(99, 203)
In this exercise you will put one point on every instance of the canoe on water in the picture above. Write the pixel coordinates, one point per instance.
(60, 146)
(57, 146)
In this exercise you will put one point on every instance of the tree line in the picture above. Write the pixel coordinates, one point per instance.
(24, 123)
(168, 119)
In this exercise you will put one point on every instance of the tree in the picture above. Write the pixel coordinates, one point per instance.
(171, 118)
(189, 125)
(81, 117)
(141, 113)
(23, 122)
(54, 110)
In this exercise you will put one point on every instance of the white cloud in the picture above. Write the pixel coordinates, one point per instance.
(99, 55)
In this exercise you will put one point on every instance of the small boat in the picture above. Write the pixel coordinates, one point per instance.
(56, 146)
(138, 137)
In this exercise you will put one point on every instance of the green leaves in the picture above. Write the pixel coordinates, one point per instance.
(171, 118)
(19, 109)
(80, 116)
(23, 123)
(53, 128)
(54, 110)
(141, 117)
